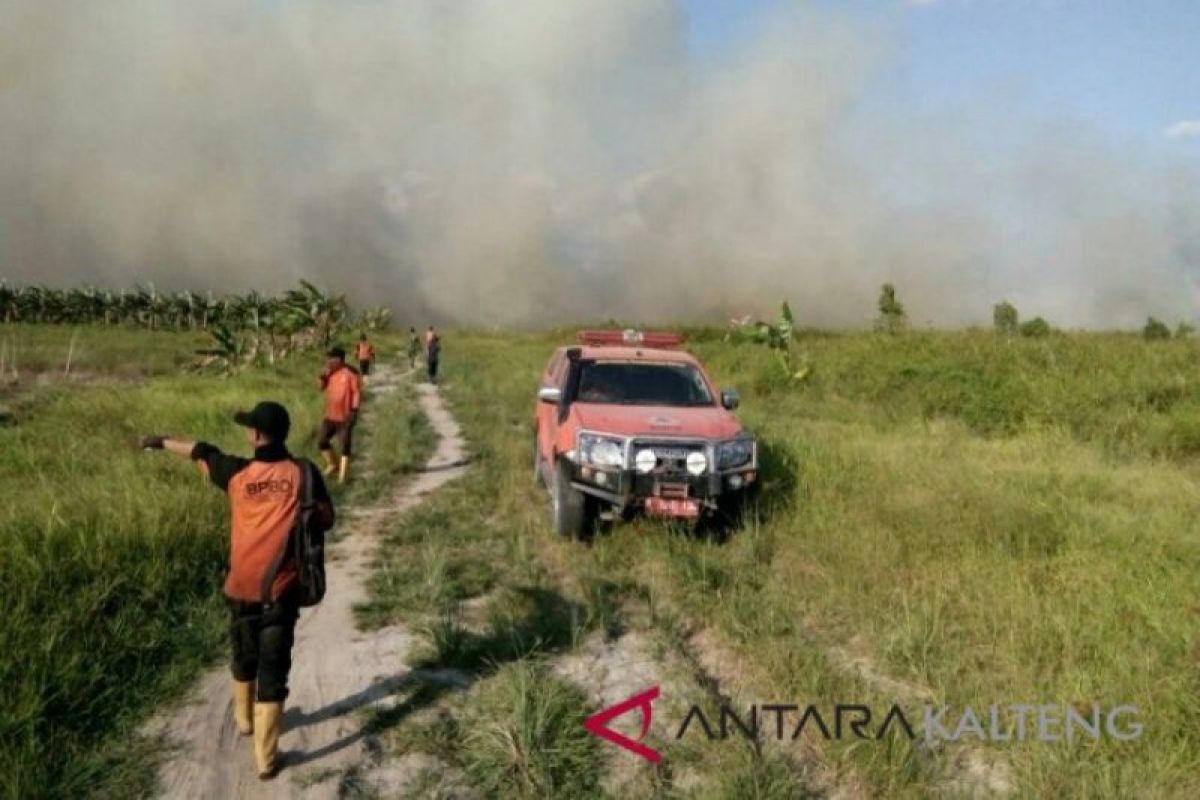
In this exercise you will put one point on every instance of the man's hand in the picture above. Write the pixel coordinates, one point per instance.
(151, 442)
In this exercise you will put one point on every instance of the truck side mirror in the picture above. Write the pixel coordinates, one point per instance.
(730, 399)
(550, 394)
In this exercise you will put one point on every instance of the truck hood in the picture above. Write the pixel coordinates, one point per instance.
(704, 422)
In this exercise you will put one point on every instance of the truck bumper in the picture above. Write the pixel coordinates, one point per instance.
(628, 489)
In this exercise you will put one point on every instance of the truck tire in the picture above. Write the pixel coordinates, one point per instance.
(571, 507)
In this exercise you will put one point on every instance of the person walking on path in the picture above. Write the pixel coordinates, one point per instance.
(265, 497)
(414, 348)
(433, 353)
(342, 386)
(364, 351)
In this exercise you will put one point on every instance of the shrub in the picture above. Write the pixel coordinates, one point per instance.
(1005, 318)
(892, 317)
(1155, 329)
(1035, 328)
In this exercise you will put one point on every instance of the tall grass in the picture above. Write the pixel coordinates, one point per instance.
(522, 736)
(961, 516)
(112, 559)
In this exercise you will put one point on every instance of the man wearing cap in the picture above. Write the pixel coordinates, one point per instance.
(342, 386)
(265, 493)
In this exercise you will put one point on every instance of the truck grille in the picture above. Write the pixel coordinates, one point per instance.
(673, 490)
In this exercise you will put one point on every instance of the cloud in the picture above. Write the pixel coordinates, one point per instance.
(1184, 129)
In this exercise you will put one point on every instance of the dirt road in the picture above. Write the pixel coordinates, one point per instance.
(339, 671)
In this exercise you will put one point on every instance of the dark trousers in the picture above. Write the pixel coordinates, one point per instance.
(344, 431)
(262, 639)
(364, 366)
(432, 366)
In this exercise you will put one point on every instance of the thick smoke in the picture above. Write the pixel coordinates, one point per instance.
(520, 163)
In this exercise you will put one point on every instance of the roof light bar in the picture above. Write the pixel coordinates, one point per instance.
(630, 338)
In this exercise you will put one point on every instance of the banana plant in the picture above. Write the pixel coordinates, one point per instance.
(274, 326)
(776, 336)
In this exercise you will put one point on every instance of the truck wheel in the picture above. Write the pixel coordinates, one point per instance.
(571, 506)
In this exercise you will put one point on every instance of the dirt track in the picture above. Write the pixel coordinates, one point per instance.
(339, 671)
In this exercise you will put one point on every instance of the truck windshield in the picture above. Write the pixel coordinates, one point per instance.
(642, 384)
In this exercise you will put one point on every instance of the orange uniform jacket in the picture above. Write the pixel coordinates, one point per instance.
(343, 393)
(264, 495)
(364, 351)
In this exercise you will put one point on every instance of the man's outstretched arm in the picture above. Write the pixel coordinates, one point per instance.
(180, 447)
(220, 467)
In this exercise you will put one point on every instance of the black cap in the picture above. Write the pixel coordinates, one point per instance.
(337, 352)
(268, 418)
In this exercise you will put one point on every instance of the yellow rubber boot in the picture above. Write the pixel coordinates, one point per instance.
(343, 469)
(268, 725)
(243, 706)
(331, 463)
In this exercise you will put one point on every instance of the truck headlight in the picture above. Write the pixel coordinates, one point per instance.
(601, 451)
(734, 453)
(697, 463)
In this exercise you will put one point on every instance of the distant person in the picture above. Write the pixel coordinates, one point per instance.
(265, 493)
(433, 353)
(414, 348)
(364, 351)
(342, 386)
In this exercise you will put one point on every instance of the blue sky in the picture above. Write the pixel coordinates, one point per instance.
(1129, 69)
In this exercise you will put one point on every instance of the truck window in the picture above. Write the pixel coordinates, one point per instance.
(623, 383)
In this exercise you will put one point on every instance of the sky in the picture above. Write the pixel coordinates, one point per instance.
(1130, 69)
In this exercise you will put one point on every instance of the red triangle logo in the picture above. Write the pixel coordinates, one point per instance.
(598, 724)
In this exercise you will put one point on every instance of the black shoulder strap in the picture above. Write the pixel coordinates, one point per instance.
(306, 478)
(276, 563)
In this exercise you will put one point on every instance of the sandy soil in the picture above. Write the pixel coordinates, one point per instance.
(338, 673)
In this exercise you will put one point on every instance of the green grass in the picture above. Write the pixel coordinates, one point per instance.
(112, 559)
(988, 520)
(399, 441)
(522, 736)
(983, 519)
(109, 351)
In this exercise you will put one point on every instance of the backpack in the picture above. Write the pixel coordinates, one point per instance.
(306, 545)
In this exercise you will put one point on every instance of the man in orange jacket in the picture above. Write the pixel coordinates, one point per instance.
(265, 493)
(342, 386)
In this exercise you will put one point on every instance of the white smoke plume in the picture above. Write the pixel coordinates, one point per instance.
(521, 163)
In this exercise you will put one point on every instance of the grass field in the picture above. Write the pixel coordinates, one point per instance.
(112, 559)
(948, 517)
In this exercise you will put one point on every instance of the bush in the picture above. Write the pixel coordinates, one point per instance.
(1005, 318)
(892, 317)
(1155, 329)
(1035, 328)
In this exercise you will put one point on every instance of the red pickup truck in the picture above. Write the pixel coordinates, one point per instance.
(629, 423)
